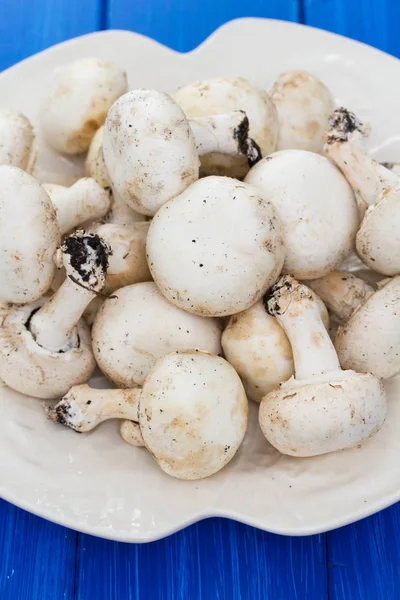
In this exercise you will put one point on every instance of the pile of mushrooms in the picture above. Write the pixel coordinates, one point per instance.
(198, 263)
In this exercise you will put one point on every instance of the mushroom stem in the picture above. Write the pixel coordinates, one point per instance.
(344, 144)
(52, 326)
(341, 292)
(85, 200)
(295, 307)
(227, 134)
(83, 408)
(85, 258)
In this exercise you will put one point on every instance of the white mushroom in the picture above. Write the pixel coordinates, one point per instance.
(344, 144)
(121, 214)
(127, 263)
(341, 292)
(95, 167)
(303, 104)
(323, 409)
(378, 238)
(151, 149)
(92, 309)
(219, 95)
(192, 412)
(29, 236)
(315, 205)
(259, 350)
(77, 102)
(137, 325)
(16, 140)
(370, 340)
(215, 249)
(45, 346)
(130, 432)
(84, 201)
(94, 164)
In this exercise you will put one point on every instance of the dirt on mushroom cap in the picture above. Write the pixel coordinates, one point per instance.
(193, 414)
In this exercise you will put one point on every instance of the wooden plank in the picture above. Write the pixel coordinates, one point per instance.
(364, 558)
(183, 24)
(216, 559)
(372, 22)
(28, 27)
(37, 558)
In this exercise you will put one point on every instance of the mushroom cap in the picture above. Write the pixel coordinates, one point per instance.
(222, 95)
(77, 103)
(31, 369)
(304, 105)
(315, 417)
(378, 239)
(370, 340)
(258, 348)
(215, 249)
(130, 433)
(149, 149)
(17, 137)
(315, 205)
(138, 325)
(342, 292)
(95, 165)
(193, 414)
(127, 264)
(29, 236)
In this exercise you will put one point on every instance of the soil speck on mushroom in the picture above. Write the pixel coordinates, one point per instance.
(247, 146)
(88, 254)
(343, 122)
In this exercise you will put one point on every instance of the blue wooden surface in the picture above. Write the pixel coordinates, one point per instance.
(215, 559)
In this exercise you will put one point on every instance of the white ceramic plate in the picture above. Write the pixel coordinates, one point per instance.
(97, 484)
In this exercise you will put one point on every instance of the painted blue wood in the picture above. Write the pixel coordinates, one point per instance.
(216, 559)
(28, 26)
(184, 24)
(364, 558)
(37, 558)
(371, 21)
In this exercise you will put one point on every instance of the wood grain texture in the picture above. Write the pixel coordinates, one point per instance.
(215, 559)
(37, 558)
(364, 558)
(184, 24)
(369, 21)
(26, 27)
